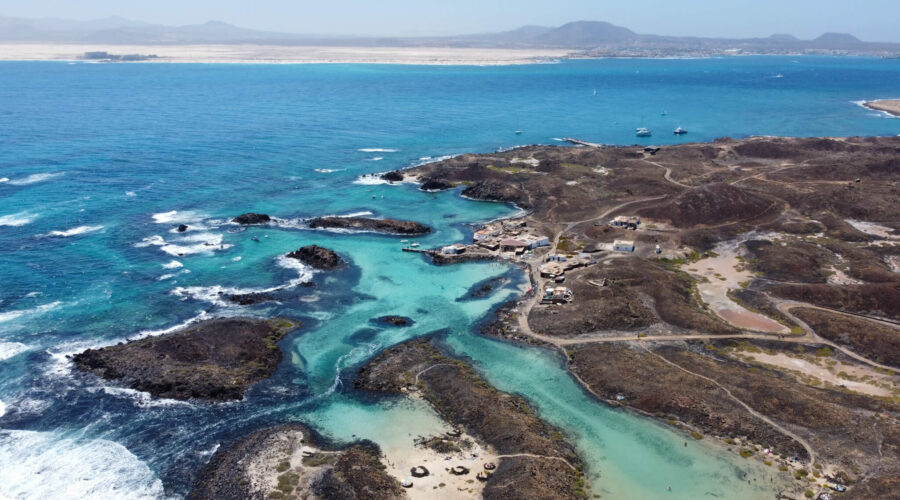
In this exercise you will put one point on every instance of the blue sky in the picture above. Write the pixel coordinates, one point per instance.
(873, 20)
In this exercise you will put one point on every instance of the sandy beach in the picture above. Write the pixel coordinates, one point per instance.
(282, 54)
(889, 106)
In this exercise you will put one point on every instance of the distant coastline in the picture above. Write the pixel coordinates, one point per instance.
(261, 53)
(889, 106)
(281, 54)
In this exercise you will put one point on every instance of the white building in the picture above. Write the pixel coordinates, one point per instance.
(623, 246)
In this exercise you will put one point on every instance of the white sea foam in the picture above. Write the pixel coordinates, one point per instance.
(172, 275)
(75, 231)
(354, 214)
(130, 193)
(237, 259)
(376, 158)
(33, 179)
(2, 408)
(139, 398)
(10, 349)
(18, 219)
(173, 265)
(164, 217)
(11, 315)
(370, 180)
(377, 150)
(190, 244)
(49, 465)
(155, 240)
(4, 179)
(217, 294)
(325, 170)
(176, 216)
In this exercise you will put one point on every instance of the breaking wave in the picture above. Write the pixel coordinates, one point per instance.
(19, 219)
(75, 231)
(33, 179)
(11, 315)
(47, 465)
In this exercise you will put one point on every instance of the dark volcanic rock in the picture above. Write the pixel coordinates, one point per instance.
(484, 288)
(393, 321)
(252, 218)
(714, 203)
(214, 360)
(243, 469)
(435, 185)
(494, 190)
(388, 226)
(182, 228)
(248, 299)
(392, 176)
(317, 257)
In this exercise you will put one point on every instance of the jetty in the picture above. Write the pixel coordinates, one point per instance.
(582, 143)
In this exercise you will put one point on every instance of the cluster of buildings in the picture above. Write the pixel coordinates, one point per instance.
(510, 236)
(557, 295)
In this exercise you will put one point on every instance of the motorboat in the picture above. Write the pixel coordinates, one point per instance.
(643, 132)
(680, 131)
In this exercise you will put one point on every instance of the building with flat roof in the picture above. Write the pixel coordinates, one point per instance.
(623, 246)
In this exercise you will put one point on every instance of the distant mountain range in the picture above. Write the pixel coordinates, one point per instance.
(585, 37)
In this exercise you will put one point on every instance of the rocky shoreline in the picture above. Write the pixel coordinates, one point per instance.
(695, 196)
(385, 226)
(291, 461)
(216, 360)
(536, 460)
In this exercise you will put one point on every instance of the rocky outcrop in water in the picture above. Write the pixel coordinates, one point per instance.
(387, 226)
(435, 185)
(248, 299)
(394, 176)
(317, 257)
(393, 321)
(216, 360)
(182, 228)
(252, 218)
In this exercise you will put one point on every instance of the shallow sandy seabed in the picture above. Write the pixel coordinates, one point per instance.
(283, 54)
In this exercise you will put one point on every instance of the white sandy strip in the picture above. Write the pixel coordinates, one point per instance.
(279, 54)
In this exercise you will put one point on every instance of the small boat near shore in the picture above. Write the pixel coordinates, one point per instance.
(680, 131)
(643, 132)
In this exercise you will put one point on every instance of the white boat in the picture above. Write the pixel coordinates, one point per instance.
(414, 245)
(518, 132)
(680, 131)
(643, 132)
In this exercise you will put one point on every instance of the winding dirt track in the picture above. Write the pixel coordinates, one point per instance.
(809, 335)
(750, 410)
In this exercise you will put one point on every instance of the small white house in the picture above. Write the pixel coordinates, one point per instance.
(539, 241)
(623, 246)
(453, 249)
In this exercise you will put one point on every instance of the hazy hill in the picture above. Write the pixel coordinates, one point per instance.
(593, 37)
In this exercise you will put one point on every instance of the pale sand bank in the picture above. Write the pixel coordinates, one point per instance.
(440, 483)
(280, 54)
(890, 106)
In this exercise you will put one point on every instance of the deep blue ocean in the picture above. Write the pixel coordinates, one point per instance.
(100, 162)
